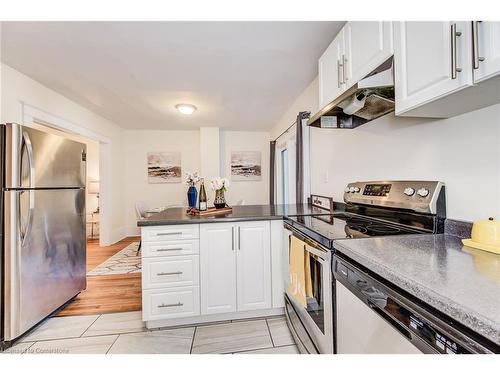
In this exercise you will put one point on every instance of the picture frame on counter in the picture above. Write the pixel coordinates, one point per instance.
(323, 202)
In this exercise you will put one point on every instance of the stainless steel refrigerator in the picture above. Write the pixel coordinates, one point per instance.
(42, 226)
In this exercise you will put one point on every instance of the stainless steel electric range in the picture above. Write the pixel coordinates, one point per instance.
(380, 208)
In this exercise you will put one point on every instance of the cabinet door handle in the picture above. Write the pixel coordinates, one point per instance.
(339, 79)
(169, 273)
(475, 45)
(178, 304)
(454, 35)
(171, 249)
(239, 239)
(169, 234)
(344, 69)
(232, 238)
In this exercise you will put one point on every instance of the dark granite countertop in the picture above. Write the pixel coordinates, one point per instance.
(459, 281)
(173, 216)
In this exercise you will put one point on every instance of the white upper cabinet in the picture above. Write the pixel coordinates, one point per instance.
(356, 50)
(254, 265)
(330, 71)
(218, 268)
(432, 60)
(486, 50)
(367, 45)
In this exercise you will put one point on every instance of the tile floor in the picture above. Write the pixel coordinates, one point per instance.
(125, 333)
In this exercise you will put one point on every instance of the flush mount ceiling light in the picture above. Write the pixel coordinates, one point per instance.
(186, 109)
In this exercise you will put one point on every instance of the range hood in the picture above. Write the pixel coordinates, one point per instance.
(370, 98)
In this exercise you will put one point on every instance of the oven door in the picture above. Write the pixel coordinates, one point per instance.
(309, 293)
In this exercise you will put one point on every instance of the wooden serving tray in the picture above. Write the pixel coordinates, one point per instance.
(211, 211)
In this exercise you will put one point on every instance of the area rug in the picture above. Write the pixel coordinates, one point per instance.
(124, 261)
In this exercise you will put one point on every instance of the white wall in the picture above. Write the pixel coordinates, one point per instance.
(252, 192)
(463, 152)
(308, 100)
(18, 88)
(138, 144)
(209, 154)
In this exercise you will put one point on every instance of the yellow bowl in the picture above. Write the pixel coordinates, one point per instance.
(486, 232)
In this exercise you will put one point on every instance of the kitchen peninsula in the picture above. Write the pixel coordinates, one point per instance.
(235, 257)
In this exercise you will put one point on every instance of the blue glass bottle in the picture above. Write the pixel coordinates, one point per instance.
(192, 196)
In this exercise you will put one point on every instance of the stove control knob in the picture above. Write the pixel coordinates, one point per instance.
(356, 189)
(409, 191)
(352, 189)
(347, 190)
(423, 192)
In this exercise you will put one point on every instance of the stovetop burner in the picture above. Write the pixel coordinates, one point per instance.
(337, 226)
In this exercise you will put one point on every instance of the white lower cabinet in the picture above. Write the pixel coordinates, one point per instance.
(217, 268)
(170, 303)
(170, 271)
(235, 267)
(253, 266)
(212, 269)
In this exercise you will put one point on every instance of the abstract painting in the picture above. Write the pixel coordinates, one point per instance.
(246, 166)
(164, 167)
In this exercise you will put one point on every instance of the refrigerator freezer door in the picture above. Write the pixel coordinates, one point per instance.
(35, 159)
(45, 253)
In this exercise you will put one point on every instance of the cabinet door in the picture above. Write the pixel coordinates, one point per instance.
(217, 268)
(330, 71)
(254, 265)
(488, 49)
(423, 60)
(367, 45)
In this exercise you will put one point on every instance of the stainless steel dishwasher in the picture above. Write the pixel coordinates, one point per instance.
(373, 317)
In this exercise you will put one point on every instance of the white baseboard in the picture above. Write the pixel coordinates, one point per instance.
(152, 324)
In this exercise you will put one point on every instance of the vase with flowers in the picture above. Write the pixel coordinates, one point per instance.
(219, 185)
(191, 180)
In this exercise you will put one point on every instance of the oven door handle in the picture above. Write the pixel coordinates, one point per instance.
(307, 241)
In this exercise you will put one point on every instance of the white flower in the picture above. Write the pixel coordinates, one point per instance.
(192, 178)
(218, 183)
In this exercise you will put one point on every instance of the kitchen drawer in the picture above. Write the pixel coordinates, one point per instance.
(170, 303)
(169, 248)
(170, 232)
(168, 272)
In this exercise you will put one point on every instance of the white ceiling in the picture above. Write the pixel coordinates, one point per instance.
(240, 75)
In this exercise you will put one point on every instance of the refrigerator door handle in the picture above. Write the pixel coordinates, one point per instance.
(31, 164)
(26, 220)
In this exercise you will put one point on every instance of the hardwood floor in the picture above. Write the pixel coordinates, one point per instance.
(106, 294)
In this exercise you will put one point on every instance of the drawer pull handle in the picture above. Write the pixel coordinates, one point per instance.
(171, 249)
(169, 273)
(178, 304)
(169, 234)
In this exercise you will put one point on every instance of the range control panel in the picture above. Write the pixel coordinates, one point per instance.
(418, 196)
